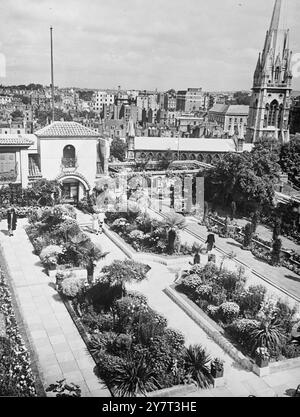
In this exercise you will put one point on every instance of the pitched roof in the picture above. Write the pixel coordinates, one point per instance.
(238, 109)
(219, 108)
(66, 129)
(15, 140)
(183, 144)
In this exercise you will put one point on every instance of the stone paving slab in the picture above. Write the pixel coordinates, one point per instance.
(50, 328)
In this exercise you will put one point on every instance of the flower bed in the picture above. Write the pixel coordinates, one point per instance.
(145, 234)
(16, 377)
(246, 315)
(59, 241)
(136, 353)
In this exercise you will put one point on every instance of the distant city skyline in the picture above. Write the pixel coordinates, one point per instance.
(137, 44)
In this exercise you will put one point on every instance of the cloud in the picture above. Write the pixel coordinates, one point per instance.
(138, 43)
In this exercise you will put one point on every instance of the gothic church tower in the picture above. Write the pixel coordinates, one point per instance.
(270, 101)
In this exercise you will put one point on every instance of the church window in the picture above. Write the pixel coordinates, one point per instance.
(273, 113)
(277, 71)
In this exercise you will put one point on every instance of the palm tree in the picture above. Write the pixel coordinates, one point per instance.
(268, 334)
(86, 252)
(173, 222)
(196, 364)
(132, 378)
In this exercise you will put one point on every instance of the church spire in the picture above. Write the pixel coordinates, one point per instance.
(276, 16)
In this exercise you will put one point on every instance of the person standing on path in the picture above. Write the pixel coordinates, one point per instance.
(210, 241)
(101, 218)
(95, 224)
(11, 221)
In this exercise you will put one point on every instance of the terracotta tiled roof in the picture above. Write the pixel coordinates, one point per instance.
(66, 129)
(15, 140)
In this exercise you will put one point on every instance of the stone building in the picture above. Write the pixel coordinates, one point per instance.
(271, 92)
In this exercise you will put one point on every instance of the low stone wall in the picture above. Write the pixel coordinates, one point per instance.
(176, 391)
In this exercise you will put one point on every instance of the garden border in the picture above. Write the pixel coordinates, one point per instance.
(23, 328)
(216, 333)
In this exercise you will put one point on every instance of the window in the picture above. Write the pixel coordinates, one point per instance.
(69, 158)
(273, 112)
(7, 162)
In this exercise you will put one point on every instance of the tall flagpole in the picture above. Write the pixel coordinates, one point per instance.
(52, 78)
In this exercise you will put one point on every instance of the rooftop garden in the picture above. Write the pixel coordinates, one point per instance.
(135, 350)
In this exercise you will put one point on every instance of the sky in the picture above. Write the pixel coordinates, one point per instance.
(139, 44)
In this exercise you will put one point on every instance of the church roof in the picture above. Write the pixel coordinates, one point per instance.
(66, 129)
(238, 109)
(145, 143)
(219, 108)
(16, 140)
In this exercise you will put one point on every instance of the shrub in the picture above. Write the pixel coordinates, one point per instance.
(241, 330)
(124, 271)
(276, 252)
(191, 283)
(49, 255)
(122, 344)
(204, 292)
(212, 311)
(291, 350)
(248, 234)
(137, 296)
(70, 287)
(108, 365)
(100, 342)
(251, 299)
(267, 334)
(230, 281)
(209, 272)
(97, 321)
(228, 311)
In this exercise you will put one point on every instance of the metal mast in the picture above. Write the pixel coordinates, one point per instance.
(52, 78)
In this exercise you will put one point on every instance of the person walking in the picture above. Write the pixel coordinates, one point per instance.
(11, 221)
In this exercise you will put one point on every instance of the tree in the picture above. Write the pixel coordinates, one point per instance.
(248, 233)
(276, 251)
(173, 222)
(17, 114)
(255, 220)
(196, 364)
(118, 149)
(277, 228)
(233, 209)
(290, 159)
(120, 272)
(85, 253)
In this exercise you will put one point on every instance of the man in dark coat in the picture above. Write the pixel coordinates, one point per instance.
(11, 221)
(210, 242)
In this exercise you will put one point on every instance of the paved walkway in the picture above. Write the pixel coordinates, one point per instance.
(281, 277)
(60, 350)
(238, 382)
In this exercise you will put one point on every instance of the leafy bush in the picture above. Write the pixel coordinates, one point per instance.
(127, 270)
(49, 255)
(291, 350)
(122, 344)
(96, 322)
(70, 287)
(204, 292)
(228, 311)
(241, 330)
(190, 283)
(108, 365)
(251, 299)
(230, 281)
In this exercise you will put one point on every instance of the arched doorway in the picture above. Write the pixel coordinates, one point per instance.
(74, 188)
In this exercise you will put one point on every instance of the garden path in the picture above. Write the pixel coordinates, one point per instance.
(274, 278)
(58, 346)
(238, 382)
